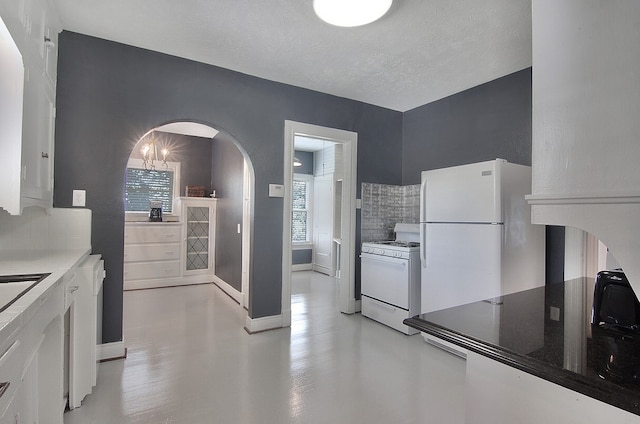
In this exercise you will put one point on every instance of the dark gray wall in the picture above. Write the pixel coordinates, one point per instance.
(194, 155)
(490, 121)
(109, 95)
(302, 256)
(554, 249)
(227, 176)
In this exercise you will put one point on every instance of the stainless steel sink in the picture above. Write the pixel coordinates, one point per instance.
(13, 287)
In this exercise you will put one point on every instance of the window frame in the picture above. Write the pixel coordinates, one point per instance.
(309, 180)
(171, 166)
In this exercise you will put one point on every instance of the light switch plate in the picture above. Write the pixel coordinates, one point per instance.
(276, 190)
(79, 198)
(554, 313)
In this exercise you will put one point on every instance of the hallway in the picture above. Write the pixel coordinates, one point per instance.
(190, 362)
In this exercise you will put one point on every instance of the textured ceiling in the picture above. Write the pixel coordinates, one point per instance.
(421, 51)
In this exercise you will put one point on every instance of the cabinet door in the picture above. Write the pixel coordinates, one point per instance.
(198, 232)
(37, 145)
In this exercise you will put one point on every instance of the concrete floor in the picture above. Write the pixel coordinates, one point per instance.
(190, 361)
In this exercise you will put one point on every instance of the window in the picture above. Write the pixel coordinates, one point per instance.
(142, 186)
(301, 210)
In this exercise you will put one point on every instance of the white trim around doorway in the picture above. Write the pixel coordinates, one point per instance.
(346, 280)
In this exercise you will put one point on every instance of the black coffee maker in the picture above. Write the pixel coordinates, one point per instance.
(155, 211)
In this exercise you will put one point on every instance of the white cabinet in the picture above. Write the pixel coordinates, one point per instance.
(161, 254)
(29, 35)
(31, 359)
(37, 136)
(198, 216)
(84, 330)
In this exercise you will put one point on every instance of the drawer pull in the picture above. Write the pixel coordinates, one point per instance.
(3, 387)
(168, 253)
(73, 289)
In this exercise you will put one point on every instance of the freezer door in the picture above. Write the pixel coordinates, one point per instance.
(468, 193)
(462, 264)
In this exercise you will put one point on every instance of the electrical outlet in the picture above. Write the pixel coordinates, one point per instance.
(554, 313)
(79, 198)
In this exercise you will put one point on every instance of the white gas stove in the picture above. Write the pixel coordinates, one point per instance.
(390, 271)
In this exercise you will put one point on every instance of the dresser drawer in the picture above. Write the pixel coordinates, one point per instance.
(152, 233)
(148, 270)
(151, 252)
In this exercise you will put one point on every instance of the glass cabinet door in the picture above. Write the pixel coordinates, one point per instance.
(197, 237)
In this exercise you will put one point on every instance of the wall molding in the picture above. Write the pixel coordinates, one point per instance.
(228, 289)
(110, 351)
(256, 325)
(301, 267)
(167, 282)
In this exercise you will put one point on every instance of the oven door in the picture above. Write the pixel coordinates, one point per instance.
(386, 279)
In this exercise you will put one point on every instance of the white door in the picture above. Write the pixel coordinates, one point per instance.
(461, 264)
(467, 193)
(323, 224)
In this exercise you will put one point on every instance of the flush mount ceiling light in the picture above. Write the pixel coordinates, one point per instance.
(350, 13)
(297, 162)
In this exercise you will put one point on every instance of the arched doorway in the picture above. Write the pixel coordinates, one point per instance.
(206, 202)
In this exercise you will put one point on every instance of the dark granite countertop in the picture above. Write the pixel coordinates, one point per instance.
(547, 332)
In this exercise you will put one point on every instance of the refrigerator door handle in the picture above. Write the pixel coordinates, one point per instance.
(423, 245)
(423, 198)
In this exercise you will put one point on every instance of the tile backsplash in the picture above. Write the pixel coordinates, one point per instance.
(385, 205)
(45, 229)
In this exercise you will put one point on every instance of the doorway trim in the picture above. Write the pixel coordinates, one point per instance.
(347, 252)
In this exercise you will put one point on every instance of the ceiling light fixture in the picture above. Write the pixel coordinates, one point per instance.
(350, 13)
(297, 162)
(150, 155)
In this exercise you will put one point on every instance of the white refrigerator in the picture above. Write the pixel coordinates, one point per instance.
(476, 237)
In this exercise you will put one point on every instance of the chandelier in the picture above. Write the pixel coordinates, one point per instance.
(150, 156)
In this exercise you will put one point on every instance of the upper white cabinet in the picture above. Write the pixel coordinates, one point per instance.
(28, 58)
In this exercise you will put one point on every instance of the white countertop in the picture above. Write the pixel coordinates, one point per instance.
(16, 262)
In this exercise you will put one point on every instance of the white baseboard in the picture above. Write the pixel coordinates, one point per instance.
(301, 267)
(228, 289)
(323, 270)
(255, 325)
(113, 350)
(167, 282)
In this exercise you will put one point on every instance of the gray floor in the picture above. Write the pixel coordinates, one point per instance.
(190, 362)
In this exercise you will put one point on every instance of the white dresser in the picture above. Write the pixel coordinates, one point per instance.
(161, 254)
(151, 252)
